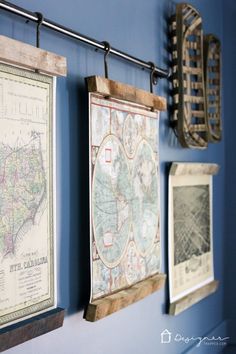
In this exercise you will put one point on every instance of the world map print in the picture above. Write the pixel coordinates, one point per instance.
(22, 190)
(112, 195)
(124, 172)
(145, 198)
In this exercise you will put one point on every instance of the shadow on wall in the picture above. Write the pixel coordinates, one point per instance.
(76, 242)
(79, 246)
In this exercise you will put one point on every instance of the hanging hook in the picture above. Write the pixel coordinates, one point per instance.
(107, 48)
(40, 21)
(153, 77)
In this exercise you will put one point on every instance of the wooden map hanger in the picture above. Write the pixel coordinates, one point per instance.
(25, 56)
(114, 301)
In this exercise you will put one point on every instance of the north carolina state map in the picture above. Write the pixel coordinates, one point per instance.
(26, 194)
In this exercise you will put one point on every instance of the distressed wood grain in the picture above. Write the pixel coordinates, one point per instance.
(191, 299)
(30, 57)
(28, 329)
(193, 168)
(105, 306)
(110, 88)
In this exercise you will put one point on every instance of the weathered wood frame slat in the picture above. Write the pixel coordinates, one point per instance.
(28, 329)
(110, 88)
(193, 168)
(32, 58)
(193, 298)
(107, 305)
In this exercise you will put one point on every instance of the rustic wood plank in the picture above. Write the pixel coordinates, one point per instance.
(198, 114)
(190, 99)
(173, 24)
(188, 70)
(195, 58)
(191, 299)
(107, 305)
(214, 99)
(110, 88)
(215, 76)
(192, 45)
(215, 56)
(193, 85)
(213, 91)
(214, 82)
(214, 116)
(192, 71)
(197, 85)
(213, 69)
(174, 54)
(174, 118)
(214, 105)
(193, 168)
(29, 57)
(194, 99)
(23, 331)
(174, 40)
(188, 12)
(199, 128)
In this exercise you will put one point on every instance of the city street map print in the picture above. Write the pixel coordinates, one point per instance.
(190, 227)
(26, 215)
(124, 194)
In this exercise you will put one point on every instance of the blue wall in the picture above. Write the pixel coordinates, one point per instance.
(140, 28)
(229, 75)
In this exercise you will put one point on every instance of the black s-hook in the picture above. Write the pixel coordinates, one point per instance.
(40, 21)
(153, 77)
(107, 48)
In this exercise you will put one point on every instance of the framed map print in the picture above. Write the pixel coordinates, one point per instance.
(124, 194)
(27, 274)
(190, 228)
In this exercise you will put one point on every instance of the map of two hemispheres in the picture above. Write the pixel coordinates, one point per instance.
(26, 240)
(124, 171)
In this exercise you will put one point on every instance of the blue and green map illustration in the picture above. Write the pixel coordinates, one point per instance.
(125, 210)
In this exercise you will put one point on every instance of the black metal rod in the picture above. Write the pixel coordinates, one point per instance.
(5, 5)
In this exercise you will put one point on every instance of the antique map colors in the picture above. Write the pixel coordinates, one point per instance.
(124, 194)
(26, 214)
